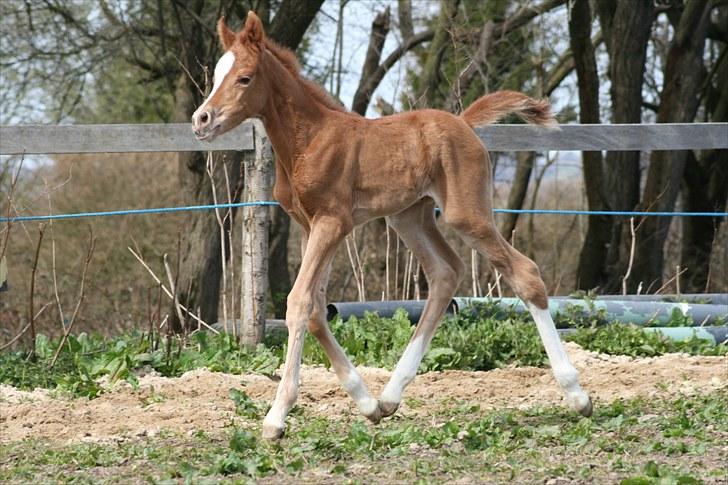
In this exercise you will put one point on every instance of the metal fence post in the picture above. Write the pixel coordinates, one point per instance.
(258, 172)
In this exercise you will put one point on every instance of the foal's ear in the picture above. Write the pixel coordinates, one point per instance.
(253, 30)
(227, 36)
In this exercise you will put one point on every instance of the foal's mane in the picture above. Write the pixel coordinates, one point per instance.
(288, 60)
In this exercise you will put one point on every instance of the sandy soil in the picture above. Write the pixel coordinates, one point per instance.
(199, 400)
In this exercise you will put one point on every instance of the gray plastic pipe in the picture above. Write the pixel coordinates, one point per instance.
(696, 298)
(636, 312)
(706, 318)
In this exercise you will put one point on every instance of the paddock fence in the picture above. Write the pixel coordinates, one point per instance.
(250, 137)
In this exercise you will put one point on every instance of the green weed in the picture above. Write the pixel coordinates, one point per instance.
(86, 359)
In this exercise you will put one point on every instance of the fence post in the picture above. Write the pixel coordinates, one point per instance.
(258, 172)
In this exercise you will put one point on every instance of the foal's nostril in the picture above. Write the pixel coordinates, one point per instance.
(204, 118)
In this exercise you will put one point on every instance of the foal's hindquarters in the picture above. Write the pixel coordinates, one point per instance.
(457, 178)
(462, 188)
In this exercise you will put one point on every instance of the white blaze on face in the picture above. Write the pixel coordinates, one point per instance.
(221, 70)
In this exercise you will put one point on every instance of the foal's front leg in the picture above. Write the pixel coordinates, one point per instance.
(326, 233)
(347, 374)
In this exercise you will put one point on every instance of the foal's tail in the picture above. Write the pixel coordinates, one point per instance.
(494, 106)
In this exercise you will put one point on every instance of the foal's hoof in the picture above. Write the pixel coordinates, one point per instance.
(370, 408)
(374, 417)
(587, 410)
(272, 432)
(582, 404)
(388, 408)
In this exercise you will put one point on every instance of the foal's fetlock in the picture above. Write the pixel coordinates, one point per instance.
(375, 417)
(577, 398)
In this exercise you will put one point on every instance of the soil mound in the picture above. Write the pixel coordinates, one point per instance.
(200, 399)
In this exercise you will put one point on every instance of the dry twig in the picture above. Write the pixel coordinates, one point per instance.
(25, 329)
(86, 263)
(631, 257)
(168, 293)
(31, 314)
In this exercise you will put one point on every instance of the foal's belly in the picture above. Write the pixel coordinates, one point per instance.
(392, 175)
(386, 204)
(386, 195)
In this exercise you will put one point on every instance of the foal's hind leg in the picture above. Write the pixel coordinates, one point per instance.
(478, 230)
(443, 268)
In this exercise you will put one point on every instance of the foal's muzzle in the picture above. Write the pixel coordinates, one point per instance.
(204, 124)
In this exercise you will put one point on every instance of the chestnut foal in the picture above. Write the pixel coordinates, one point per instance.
(336, 170)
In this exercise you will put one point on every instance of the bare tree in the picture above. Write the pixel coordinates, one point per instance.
(684, 77)
(620, 20)
(594, 249)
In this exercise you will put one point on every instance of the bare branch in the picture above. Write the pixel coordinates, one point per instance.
(81, 295)
(404, 13)
(31, 313)
(367, 86)
(487, 35)
(380, 29)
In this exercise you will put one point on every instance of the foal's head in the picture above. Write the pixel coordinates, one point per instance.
(237, 93)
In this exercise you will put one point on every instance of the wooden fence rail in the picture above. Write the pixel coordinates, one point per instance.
(51, 139)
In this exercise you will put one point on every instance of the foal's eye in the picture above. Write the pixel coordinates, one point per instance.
(244, 80)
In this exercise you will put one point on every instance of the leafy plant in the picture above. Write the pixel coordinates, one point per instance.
(619, 339)
(246, 406)
(85, 360)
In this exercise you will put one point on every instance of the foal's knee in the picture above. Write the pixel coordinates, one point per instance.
(299, 310)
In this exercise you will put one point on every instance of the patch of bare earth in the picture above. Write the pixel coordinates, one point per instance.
(199, 400)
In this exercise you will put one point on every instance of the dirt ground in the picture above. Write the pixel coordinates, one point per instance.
(199, 400)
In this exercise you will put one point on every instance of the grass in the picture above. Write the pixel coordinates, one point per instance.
(463, 342)
(631, 442)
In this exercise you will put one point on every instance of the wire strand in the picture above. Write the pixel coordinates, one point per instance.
(162, 210)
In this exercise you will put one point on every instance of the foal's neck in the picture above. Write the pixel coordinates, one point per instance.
(291, 116)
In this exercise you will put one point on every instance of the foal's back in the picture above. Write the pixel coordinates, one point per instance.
(392, 162)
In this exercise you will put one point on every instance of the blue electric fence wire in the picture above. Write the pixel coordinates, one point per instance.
(159, 210)
(156, 210)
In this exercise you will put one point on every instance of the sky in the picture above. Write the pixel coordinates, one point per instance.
(358, 18)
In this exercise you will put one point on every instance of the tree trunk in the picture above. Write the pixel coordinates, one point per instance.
(631, 20)
(380, 29)
(590, 272)
(517, 195)
(256, 223)
(292, 20)
(684, 77)
(404, 14)
(706, 190)
(201, 259)
(427, 93)
(698, 233)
